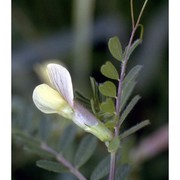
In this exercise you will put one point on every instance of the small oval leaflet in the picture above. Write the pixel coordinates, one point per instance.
(108, 106)
(115, 48)
(108, 89)
(109, 71)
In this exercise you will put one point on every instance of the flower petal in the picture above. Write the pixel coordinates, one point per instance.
(83, 116)
(90, 123)
(61, 80)
(49, 101)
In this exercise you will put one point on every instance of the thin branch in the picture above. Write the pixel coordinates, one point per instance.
(123, 67)
(140, 14)
(112, 166)
(62, 160)
(118, 103)
(132, 14)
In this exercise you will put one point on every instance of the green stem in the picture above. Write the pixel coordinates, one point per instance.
(112, 166)
(123, 67)
(132, 13)
(62, 160)
(118, 101)
(141, 12)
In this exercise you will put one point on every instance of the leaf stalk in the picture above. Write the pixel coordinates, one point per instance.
(63, 161)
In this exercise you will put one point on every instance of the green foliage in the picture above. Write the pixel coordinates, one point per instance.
(108, 89)
(103, 106)
(114, 144)
(115, 48)
(51, 166)
(109, 71)
(134, 45)
(45, 128)
(94, 88)
(67, 138)
(110, 124)
(84, 100)
(37, 151)
(122, 172)
(94, 106)
(131, 76)
(26, 138)
(31, 144)
(85, 150)
(129, 84)
(108, 106)
(128, 109)
(95, 100)
(101, 170)
(126, 146)
(126, 93)
(134, 129)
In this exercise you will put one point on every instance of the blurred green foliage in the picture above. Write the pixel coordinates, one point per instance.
(42, 22)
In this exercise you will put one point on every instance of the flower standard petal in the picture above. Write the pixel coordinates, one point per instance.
(61, 80)
(50, 101)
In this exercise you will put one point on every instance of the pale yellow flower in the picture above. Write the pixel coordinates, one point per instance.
(49, 101)
(60, 99)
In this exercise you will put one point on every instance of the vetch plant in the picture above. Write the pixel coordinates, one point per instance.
(61, 101)
(108, 109)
